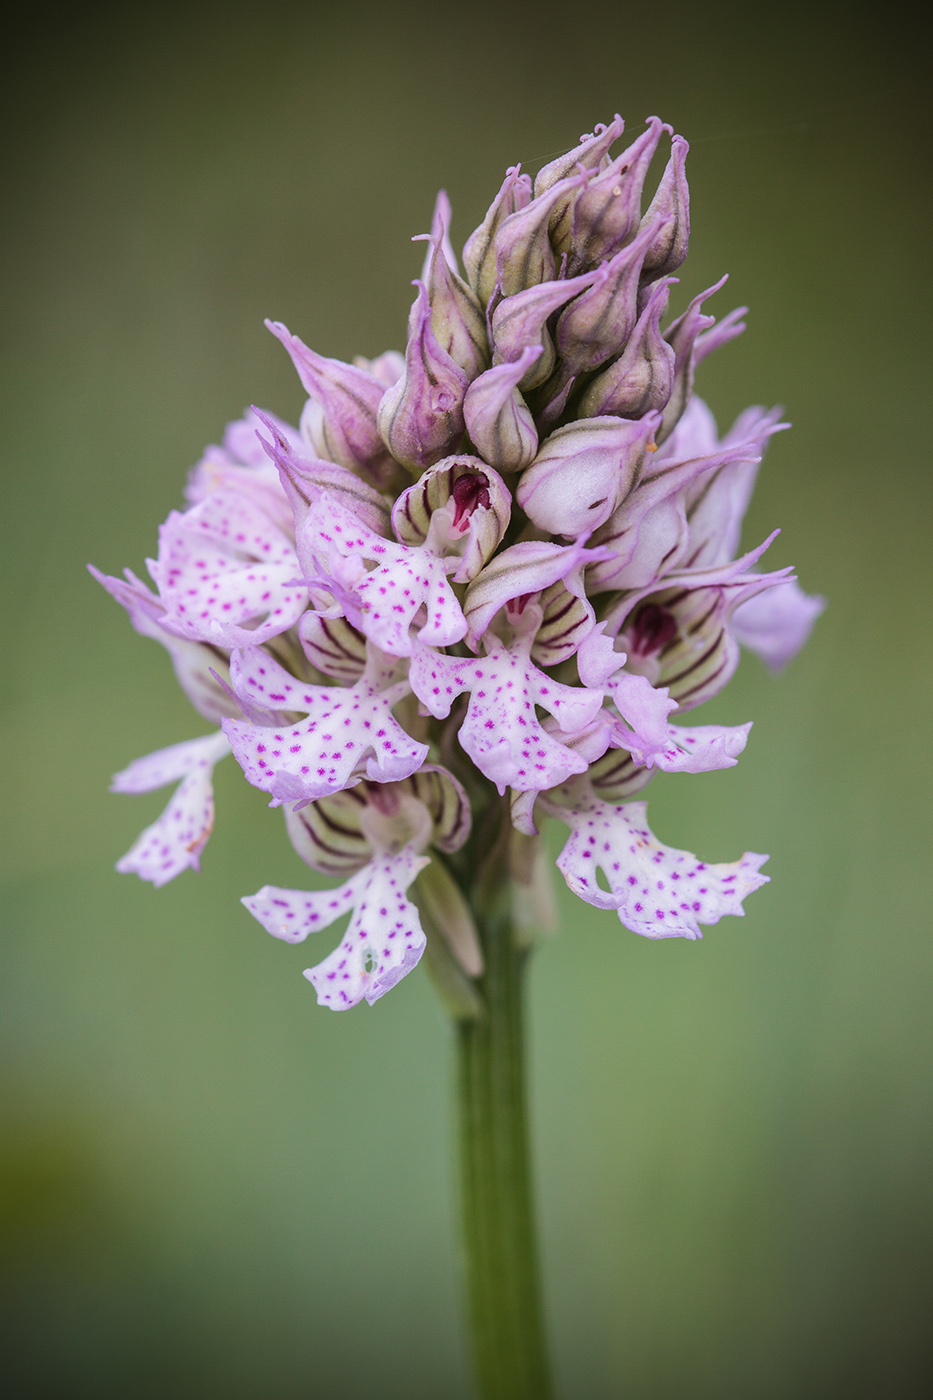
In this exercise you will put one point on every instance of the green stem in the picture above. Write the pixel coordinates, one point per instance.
(498, 1212)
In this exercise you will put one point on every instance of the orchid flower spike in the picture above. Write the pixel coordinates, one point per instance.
(480, 583)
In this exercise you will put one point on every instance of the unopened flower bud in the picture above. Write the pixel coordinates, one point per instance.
(597, 325)
(681, 337)
(421, 416)
(463, 505)
(479, 254)
(339, 422)
(519, 321)
(440, 232)
(524, 256)
(671, 205)
(640, 380)
(457, 318)
(588, 155)
(608, 211)
(497, 418)
(584, 471)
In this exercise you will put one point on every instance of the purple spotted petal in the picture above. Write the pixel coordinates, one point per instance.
(176, 840)
(225, 573)
(656, 890)
(385, 601)
(383, 942)
(195, 663)
(349, 732)
(501, 732)
(700, 749)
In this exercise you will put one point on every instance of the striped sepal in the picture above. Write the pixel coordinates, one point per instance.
(567, 620)
(334, 646)
(616, 776)
(479, 503)
(328, 835)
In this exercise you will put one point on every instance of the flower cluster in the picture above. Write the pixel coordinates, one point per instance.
(497, 564)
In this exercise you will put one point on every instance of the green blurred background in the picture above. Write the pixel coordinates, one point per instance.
(210, 1186)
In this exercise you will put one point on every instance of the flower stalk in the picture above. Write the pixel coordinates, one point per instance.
(499, 1236)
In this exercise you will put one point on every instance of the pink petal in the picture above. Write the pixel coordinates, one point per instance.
(656, 890)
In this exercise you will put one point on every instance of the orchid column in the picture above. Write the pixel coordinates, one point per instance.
(472, 590)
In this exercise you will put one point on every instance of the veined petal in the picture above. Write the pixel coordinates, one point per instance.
(461, 506)
(656, 890)
(524, 568)
(331, 834)
(175, 841)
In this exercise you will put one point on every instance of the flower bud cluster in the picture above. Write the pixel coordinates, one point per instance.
(493, 567)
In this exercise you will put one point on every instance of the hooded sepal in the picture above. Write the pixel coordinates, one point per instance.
(339, 420)
(462, 506)
(590, 154)
(640, 380)
(457, 319)
(524, 256)
(607, 213)
(175, 841)
(598, 324)
(656, 891)
(479, 253)
(671, 207)
(583, 472)
(499, 422)
(518, 323)
(421, 416)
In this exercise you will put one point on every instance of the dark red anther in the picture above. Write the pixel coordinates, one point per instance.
(651, 629)
(469, 491)
(517, 606)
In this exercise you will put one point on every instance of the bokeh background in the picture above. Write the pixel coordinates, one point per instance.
(210, 1186)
